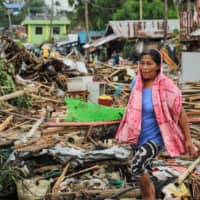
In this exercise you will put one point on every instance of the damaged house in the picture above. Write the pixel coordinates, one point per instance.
(190, 35)
(133, 33)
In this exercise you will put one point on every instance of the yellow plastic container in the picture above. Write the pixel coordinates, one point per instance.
(105, 100)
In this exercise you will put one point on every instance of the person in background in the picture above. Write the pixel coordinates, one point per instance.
(45, 51)
(115, 58)
(37, 51)
(154, 120)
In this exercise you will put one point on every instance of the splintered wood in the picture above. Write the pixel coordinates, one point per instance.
(44, 149)
(191, 102)
(36, 144)
(191, 96)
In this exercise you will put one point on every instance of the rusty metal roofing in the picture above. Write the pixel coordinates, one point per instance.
(142, 28)
(186, 24)
(189, 28)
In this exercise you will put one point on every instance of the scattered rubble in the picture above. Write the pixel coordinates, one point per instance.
(56, 160)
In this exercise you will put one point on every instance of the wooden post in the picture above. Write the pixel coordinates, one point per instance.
(86, 21)
(165, 19)
(51, 21)
(141, 10)
(86, 27)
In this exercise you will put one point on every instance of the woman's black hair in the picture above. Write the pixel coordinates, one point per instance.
(155, 55)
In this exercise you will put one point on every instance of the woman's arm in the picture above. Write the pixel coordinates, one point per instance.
(183, 123)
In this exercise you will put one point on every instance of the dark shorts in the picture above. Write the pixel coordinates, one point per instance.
(143, 157)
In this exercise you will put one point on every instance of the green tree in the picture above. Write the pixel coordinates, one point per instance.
(151, 10)
(3, 15)
(100, 12)
(37, 6)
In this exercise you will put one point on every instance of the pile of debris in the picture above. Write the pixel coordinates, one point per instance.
(55, 159)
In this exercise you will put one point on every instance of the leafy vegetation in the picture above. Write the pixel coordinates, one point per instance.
(101, 11)
(8, 177)
(7, 85)
(31, 6)
(3, 15)
(24, 101)
(7, 181)
(36, 6)
(6, 82)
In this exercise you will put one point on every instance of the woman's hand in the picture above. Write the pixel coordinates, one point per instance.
(190, 149)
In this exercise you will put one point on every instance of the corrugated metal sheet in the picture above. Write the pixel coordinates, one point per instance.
(197, 12)
(144, 28)
(100, 41)
(186, 24)
(190, 22)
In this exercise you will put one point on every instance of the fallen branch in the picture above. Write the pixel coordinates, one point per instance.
(44, 98)
(12, 95)
(83, 171)
(16, 94)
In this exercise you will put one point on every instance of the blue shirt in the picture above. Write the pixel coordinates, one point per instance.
(149, 128)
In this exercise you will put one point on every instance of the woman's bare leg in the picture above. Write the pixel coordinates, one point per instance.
(146, 187)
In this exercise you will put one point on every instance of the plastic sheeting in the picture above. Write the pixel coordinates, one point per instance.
(80, 111)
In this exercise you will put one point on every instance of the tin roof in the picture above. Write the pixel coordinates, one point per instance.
(142, 28)
(25, 22)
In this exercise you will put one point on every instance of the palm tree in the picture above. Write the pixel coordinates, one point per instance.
(141, 10)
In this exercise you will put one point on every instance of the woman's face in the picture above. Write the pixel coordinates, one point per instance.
(148, 67)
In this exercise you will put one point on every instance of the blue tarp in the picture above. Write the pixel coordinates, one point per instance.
(13, 5)
(82, 35)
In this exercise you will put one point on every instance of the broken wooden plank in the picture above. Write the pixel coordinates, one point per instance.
(55, 188)
(53, 130)
(63, 124)
(172, 65)
(33, 130)
(18, 115)
(5, 124)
